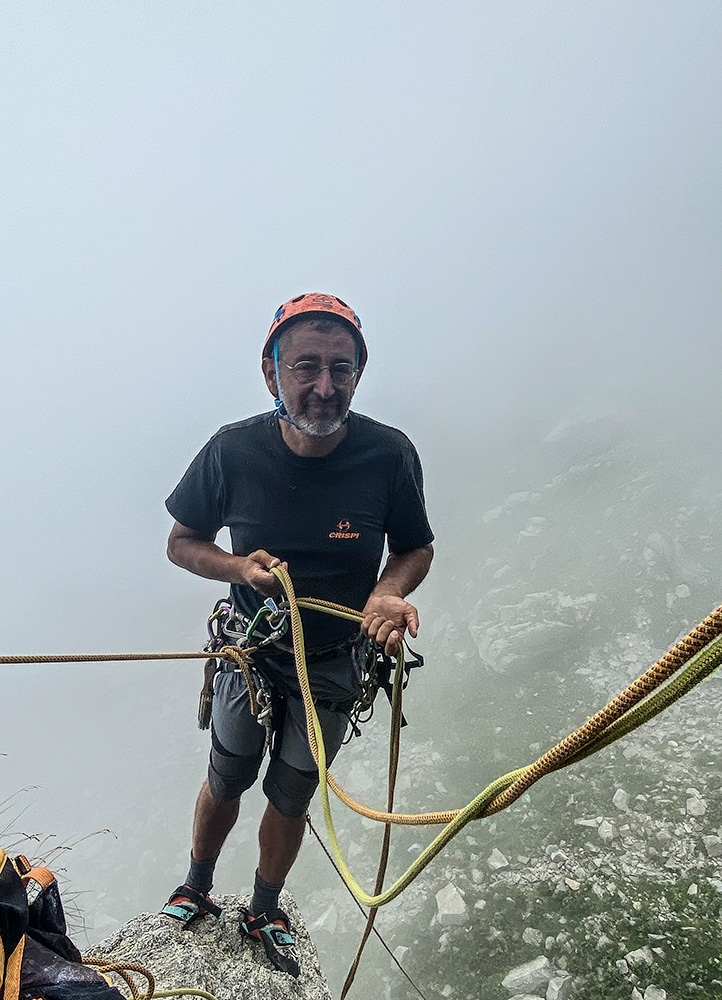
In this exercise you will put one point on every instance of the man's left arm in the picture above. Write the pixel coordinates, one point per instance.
(387, 615)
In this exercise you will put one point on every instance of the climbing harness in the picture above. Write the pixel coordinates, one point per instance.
(233, 635)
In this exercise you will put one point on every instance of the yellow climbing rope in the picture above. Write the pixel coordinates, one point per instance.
(696, 656)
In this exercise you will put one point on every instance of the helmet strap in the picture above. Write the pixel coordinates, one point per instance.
(281, 411)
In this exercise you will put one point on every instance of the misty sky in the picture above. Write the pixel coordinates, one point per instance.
(520, 200)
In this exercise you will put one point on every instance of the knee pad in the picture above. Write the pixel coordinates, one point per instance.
(288, 789)
(229, 775)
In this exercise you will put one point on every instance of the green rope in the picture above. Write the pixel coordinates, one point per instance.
(185, 991)
(697, 668)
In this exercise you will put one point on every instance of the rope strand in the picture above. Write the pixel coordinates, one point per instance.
(374, 931)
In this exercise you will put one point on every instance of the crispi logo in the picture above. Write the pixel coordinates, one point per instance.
(344, 531)
(325, 301)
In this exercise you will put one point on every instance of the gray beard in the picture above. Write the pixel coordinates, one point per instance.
(317, 428)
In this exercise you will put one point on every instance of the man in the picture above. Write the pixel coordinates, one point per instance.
(319, 489)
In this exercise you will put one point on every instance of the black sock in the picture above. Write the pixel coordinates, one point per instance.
(265, 896)
(200, 875)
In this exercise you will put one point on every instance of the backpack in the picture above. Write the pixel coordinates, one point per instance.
(38, 961)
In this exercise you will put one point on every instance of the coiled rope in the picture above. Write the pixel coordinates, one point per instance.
(124, 969)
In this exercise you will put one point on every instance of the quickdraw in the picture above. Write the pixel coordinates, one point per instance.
(374, 670)
(234, 635)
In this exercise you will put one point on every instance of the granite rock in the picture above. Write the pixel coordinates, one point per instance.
(211, 955)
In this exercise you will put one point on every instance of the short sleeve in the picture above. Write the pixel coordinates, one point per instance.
(407, 525)
(198, 500)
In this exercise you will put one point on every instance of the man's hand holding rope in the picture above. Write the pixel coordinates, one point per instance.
(387, 615)
(386, 619)
(257, 572)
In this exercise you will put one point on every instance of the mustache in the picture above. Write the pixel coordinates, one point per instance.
(315, 398)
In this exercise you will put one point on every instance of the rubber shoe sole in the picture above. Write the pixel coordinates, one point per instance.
(273, 930)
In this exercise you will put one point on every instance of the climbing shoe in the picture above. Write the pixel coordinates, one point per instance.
(186, 904)
(273, 930)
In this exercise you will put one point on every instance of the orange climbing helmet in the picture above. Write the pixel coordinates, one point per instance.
(316, 302)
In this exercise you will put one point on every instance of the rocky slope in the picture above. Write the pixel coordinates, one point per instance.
(610, 870)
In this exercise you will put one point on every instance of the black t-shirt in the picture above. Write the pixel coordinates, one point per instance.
(327, 517)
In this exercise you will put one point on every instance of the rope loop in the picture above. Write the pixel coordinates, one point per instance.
(124, 969)
(699, 653)
(243, 661)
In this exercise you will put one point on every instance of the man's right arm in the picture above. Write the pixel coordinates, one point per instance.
(199, 554)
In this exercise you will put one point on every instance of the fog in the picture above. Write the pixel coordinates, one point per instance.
(521, 202)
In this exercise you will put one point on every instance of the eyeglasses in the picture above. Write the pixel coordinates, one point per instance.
(307, 372)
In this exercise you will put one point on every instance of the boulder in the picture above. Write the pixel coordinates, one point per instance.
(641, 956)
(695, 806)
(713, 846)
(529, 977)
(621, 800)
(542, 624)
(607, 831)
(654, 993)
(497, 860)
(211, 955)
(451, 909)
(559, 988)
(530, 935)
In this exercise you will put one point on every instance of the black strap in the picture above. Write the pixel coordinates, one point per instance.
(269, 917)
(201, 901)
